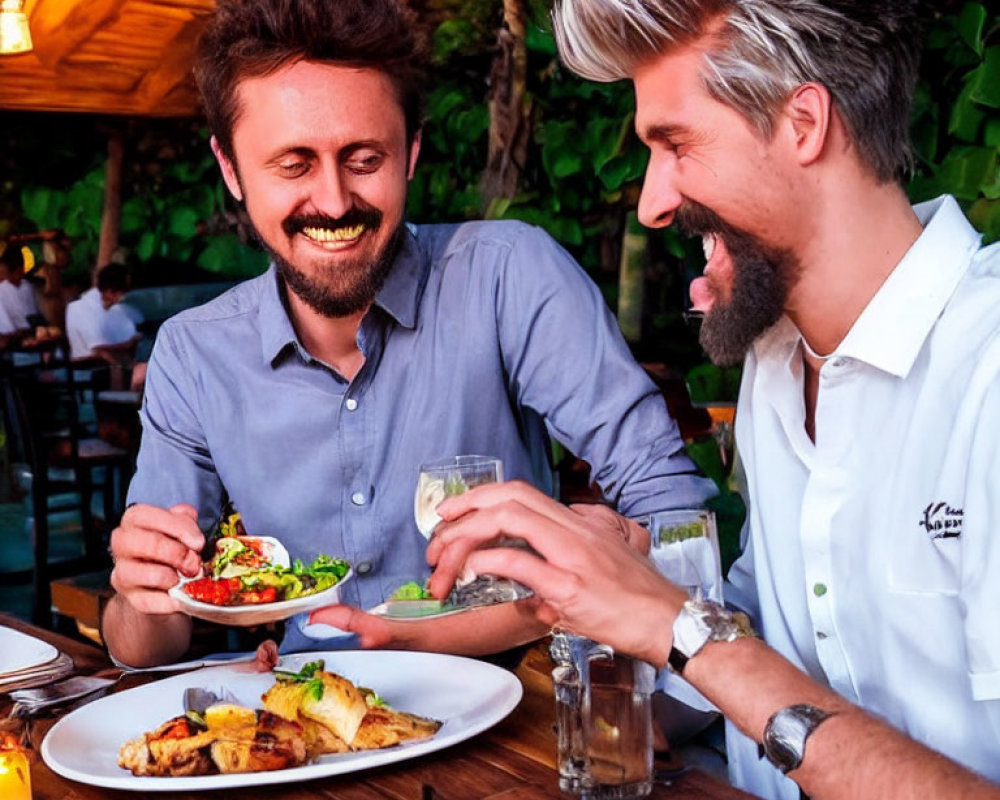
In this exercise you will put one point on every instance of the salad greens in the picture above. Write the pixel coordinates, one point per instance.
(412, 591)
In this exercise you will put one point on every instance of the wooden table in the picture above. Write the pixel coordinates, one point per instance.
(514, 760)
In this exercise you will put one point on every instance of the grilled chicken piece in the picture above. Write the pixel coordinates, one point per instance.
(385, 727)
(273, 743)
(320, 740)
(176, 748)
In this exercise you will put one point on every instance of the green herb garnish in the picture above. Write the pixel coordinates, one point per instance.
(307, 673)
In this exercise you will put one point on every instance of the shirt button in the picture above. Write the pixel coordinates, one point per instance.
(364, 567)
(819, 589)
(358, 499)
(351, 403)
(820, 635)
(838, 362)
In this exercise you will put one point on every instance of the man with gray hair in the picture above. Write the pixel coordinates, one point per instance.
(867, 419)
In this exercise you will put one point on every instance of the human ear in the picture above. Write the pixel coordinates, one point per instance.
(228, 171)
(807, 112)
(411, 166)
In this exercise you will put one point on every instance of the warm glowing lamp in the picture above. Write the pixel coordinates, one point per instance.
(15, 778)
(14, 34)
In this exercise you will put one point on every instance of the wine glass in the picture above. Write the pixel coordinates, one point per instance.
(453, 476)
(446, 478)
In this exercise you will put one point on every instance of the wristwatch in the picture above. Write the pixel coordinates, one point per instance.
(700, 622)
(786, 733)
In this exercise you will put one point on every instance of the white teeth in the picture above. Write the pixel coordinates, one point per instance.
(708, 245)
(334, 235)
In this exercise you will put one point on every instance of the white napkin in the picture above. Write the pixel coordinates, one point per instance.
(692, 564)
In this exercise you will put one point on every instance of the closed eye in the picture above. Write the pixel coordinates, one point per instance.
(364, 163)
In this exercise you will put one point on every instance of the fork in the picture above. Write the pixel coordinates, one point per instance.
(30, 702)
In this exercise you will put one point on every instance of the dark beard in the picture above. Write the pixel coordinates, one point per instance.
(342, 288)
(762, 276)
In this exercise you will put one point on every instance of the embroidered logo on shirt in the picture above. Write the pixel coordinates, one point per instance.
(942, 521)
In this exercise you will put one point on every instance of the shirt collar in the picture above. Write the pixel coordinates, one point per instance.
(399, 297)
(894, 325)
(896, 322)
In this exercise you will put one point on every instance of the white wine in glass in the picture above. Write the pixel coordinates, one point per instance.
(446, 478)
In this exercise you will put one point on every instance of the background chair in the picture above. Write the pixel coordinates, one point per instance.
(68, 463)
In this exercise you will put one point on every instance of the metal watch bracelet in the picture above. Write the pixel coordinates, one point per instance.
(700, 622)
(786, 733)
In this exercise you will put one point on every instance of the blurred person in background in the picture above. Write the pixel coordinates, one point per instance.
(17, 295)
(97, 323)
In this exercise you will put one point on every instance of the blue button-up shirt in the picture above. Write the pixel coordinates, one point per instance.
(486, 338)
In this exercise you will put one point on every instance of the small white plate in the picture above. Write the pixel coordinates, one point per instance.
(20, 652)
(257, 613)
(411, 610)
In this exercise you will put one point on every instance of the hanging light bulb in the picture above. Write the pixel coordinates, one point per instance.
(14, 34)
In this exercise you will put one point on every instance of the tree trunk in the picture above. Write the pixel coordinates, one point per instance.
(631, 278)
(510, 111)
(111, 216)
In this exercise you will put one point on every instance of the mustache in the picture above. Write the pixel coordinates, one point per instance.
(371, 218)
(694, 219)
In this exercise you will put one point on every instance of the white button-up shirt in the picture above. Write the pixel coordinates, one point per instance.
(18, 303)
(873, 555)
(89, 324)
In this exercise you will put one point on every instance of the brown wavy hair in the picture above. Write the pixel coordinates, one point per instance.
(253, 38)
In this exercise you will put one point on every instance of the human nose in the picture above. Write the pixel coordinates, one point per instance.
(660, 197)
(331, 194)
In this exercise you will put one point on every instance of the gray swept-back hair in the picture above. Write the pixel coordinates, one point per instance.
(865, 52)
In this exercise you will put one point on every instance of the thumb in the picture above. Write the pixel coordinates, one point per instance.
(185, 510)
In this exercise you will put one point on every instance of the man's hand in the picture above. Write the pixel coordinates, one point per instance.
(477, 632)
(587, 578)
(373, 632)
(149, 548)
(617, 525)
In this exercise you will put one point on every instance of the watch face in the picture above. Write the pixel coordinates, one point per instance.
(786, 733)
(782, 754)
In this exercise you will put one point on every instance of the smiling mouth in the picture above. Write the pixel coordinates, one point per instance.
(334, 237)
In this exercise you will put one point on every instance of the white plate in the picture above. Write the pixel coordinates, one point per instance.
(19, 652)
(257, 613)
(398, 610)
(468, 696)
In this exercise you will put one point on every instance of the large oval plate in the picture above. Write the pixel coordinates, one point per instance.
(257, 613)
(468, 696)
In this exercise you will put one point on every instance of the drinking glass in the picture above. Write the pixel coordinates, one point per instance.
(446, 478)
(439, 480)
(685, 549)
(604, 720)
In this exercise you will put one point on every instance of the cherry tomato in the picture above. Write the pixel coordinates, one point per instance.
(266, 595)
(217, 592)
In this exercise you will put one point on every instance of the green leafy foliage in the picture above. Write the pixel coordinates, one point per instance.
(175, 209)
(956, 116)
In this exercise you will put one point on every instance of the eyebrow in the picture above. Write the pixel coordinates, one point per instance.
(663, 133)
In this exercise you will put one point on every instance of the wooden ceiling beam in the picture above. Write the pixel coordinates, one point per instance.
(58, 28)
(174, 69)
